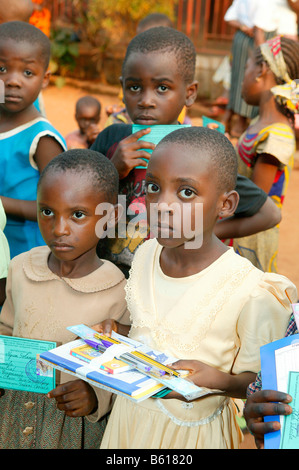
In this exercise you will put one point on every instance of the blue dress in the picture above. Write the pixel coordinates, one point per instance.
(19, 176)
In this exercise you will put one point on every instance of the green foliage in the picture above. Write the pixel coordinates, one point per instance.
(110, 22)
(64, 50)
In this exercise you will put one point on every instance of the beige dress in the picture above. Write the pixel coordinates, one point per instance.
(40, 305)
(220, 316)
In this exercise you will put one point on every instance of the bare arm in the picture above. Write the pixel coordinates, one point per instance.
(264, 171)
(204, 375)
(294, 5)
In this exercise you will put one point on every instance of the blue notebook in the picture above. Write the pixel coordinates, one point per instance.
(131, 384)
(156, 134)
(269, 380)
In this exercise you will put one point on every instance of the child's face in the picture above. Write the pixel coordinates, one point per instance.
(154, 89)
(23, 73)
(251, 86)
(184, 188)
(85, 116)
(66, 204)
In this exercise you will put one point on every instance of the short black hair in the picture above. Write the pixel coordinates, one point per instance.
(88, 101)
(214, 146)
(102, 174)
(168, 40)
(21, 31)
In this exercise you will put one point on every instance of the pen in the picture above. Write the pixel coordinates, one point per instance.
(141, 367)
(158, 365)
(94, 344)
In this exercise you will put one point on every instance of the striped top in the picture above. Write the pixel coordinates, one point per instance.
(277, 140)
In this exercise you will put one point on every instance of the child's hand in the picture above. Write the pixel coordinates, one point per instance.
(92, 133)
(75, 398)
(202, 374)
(130, 151)
(106, 327)
(265, 403)
(207, 376)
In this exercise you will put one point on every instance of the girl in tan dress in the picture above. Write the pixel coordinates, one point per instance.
(52, 287)
(192, 297)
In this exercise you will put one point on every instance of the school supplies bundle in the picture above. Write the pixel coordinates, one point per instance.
(121, 365)
(280, 371)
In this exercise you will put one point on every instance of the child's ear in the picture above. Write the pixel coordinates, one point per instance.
(46, 79)
(229, 204)
(191, 93)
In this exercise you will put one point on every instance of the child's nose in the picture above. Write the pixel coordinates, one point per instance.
(60, 227)
(147, 99)
(13, 79)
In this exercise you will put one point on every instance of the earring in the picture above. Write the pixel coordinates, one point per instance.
(257, 79)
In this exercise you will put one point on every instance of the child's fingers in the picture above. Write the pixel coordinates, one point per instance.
(137, 135)
(98, 327)
(134, 139)
(184, 365)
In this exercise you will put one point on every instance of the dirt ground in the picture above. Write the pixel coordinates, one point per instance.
(60, 107)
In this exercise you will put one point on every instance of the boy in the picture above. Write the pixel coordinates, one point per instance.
(28, 141)
(158, 81)
(88, 114)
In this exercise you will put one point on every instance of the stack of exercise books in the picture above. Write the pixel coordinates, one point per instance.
(120, 365)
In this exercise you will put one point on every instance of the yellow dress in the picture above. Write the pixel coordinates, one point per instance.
(221, 316)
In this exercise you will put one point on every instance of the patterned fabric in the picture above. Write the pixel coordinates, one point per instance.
(287, 94)
(257, 385)
(277, 140)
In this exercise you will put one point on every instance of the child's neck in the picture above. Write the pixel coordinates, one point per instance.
(9, 121)
(268, 111)
(182, 262)
(74, 269)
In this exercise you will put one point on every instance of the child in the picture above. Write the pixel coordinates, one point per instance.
(118, 114)
(195, 301)
(28, 141)
(88, 115)
(4, 255)
(155, 94)
(266, 150)
(55, 286)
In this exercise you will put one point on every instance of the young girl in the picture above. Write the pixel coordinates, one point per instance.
(28, 141)
(267, 148)
(195, 301)
(52, 287)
